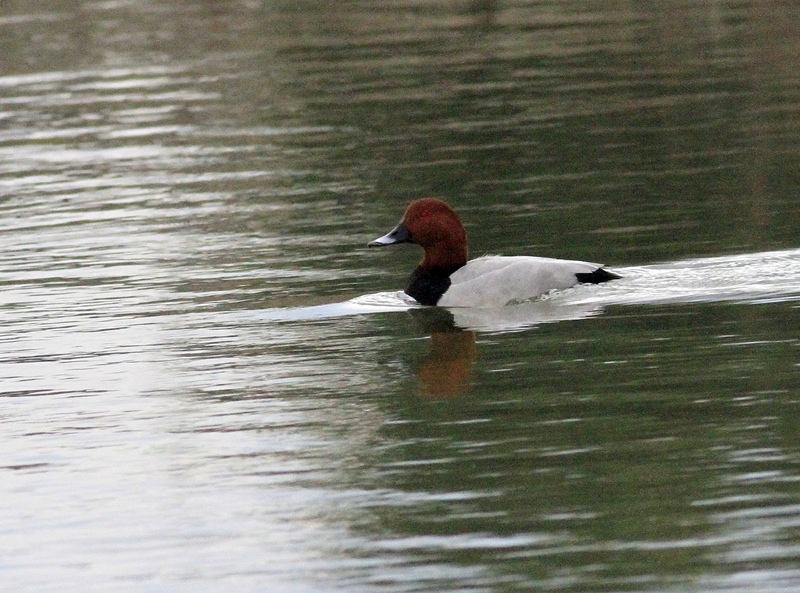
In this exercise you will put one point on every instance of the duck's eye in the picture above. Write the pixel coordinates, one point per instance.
(424, 214)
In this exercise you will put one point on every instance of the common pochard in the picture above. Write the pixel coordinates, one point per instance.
(446, 278)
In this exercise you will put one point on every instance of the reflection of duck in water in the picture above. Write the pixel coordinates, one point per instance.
(446, 278)
(447, 366)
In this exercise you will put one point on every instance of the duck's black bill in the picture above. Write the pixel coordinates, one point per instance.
(398, 234)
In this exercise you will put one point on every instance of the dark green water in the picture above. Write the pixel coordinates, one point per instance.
(191, 401)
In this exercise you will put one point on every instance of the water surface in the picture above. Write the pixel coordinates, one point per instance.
(209, 383)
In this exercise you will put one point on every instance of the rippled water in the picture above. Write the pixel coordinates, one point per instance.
(209, 383)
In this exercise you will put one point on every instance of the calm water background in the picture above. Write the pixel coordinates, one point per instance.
(191, 401)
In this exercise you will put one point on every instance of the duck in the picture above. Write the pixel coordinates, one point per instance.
(446, 278)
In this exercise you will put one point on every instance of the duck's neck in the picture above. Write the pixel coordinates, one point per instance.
(445, 256)
(431, 278)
